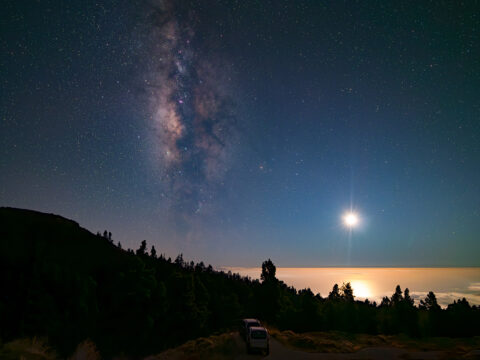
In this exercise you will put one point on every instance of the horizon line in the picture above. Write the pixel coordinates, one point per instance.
(360, 266)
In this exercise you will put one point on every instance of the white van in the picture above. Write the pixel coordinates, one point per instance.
(245, 326)
(258, 339)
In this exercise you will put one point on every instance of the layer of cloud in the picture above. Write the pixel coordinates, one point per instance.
(445, 298)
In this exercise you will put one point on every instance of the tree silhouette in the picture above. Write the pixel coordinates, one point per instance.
(335, 293)
(268, 271)
(200, 267)
(460, 319)
(179, 260)
(429, 303)
(385, 302)
(347, 292)
(407, 298)
(270, 292)
(142, 249)
(397, 296)
(153, 252)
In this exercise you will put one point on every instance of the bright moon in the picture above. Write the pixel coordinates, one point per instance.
(350, 219)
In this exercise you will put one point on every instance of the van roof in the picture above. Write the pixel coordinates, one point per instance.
(258, 328)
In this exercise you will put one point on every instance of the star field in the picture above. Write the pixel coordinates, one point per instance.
(234, 131)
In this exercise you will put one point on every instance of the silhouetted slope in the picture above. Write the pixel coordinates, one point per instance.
(61, 281)
(28, 235)
(51, 269)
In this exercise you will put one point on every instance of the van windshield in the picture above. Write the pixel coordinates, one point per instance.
(255, 323)
(259, 334)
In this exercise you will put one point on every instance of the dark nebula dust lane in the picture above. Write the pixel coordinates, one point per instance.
(191, 110)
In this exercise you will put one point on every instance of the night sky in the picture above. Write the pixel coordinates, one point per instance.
(234, 131)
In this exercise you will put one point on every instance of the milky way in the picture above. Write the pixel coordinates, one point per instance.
(236, 131)
(190, 110)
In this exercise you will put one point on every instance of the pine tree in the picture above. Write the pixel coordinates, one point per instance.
(153, 252)
(179, 260)
(385, 302)
(268, 271)
(429, 303)
(397, 296)
(347, 292)
(406, 297)
(335, 293)
(142, 249)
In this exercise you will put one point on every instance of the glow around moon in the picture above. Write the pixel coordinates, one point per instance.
(350, 219)
(361, 289)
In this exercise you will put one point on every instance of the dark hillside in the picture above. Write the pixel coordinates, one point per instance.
(28, 235)
(51, 269)
(61, 281)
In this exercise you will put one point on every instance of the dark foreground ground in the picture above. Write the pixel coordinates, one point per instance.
(283, 346)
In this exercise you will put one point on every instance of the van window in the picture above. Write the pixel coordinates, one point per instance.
(258, 334)
(253, 323)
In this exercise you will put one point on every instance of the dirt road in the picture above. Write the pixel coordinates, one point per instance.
(279, 352)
